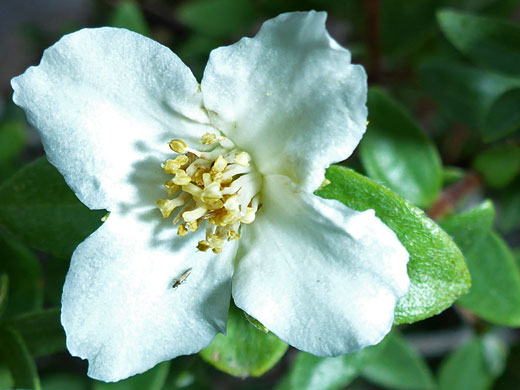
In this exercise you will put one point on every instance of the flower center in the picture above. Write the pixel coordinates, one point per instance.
(219, 186)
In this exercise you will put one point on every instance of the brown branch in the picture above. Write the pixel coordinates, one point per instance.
(453, 194)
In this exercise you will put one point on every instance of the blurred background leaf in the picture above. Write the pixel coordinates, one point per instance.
(487, 41)
(40, 209)
(395, 152)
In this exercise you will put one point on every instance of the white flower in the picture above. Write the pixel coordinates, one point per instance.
(279, 108)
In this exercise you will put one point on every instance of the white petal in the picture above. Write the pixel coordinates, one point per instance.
(105, 100)
(322, 277)
(289, 96)
(119, 309)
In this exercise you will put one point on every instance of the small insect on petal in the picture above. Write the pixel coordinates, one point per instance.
(182, 278)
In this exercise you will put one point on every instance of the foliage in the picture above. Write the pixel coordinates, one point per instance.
(439, 164)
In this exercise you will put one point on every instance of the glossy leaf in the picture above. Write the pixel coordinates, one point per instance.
(41, 331)
(244, 350)
(24, 271)
(495, 291)
(436, 268)
(15, 355)
(38, 207)
(490, 42)
(465, 368)
(311, 372)
(451, 175)
(498, 166)
(464, 93)
(395, 152)
(398, 366)
(503, 117)
(472, 226)
(153, 379)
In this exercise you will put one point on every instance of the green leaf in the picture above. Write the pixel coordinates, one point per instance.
(398, 366)
(406, 25)
(15, 355)
(464, 93)
(311, 372)
(471, 226)
(55, 272)
(490, 42)
(465, 368)
(495, 291)
(4, 291)
(437, 270)
(217, 17)
(397, 153)
(509, 216)
(498, 166)
(451, 175)
(24, 270)
(245, 350)
(37, 206)
(503, 117)
(41, 331)
(128, 14)
(153, 379)
(6, 379)
(65, 381)
(12, 139)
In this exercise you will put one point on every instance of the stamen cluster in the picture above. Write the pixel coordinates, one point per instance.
(218, 186)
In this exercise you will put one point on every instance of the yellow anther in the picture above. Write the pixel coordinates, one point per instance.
(203, 246)
(242, 159)
(197, 178)
(215, 242)
(171, 187)
(178, 145)
(166, 206)
(217, 187)
(181, 230)
(214, 204)
(193, 226)
(219, 165)
(208, 139)
(171, 166)
(193, 215)
(232, 235)
(249, 217)
(181, 178)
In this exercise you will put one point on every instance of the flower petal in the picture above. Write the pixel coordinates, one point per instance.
(322, 277)
(119, 307)
(289, 96)
(104, 99)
